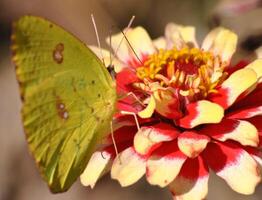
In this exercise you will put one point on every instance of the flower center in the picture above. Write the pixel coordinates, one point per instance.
(192, 71)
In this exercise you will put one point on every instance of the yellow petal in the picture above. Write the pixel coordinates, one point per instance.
(259, 52)
(222, 42)
(160, 43)
(257, 67)
(149, 110)
(188, 34)
(174, 37)
(128, 167)
(95, 168)
(239, 82)
(121, 51)
(141, 42)
(192, 144)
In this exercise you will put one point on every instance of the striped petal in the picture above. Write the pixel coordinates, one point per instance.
(192, 143)
(241, 131)
(221, 42)
(96, 167)
(257, 122)
(128, 167)
(248, 107)
(256, 154)
(201, 112)
(149, 136)
(165, 164)
(245, 113)
(192, 182)
(234, 165)
(167, 104)
(231, 89)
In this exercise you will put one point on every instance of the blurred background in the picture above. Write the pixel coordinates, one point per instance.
(19, 179)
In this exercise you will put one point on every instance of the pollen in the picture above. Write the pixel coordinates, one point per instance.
(192, 71)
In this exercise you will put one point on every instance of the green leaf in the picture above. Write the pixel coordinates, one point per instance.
(68, 98)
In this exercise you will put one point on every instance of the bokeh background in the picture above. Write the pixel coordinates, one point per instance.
(19, 179)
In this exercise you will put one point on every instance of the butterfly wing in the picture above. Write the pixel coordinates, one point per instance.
(68, 98)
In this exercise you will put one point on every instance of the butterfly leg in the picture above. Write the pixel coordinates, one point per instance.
(131, 113)
(135, 97)
(114, 142)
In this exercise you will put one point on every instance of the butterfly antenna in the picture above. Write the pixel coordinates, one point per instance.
(110, 44)
(97, 38)
(125, 31)
(114, 142)
(133, 50)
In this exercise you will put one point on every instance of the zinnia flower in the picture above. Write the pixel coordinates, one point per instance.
(196, 113)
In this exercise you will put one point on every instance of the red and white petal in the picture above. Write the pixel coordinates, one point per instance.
(96, 167)
(201, 112)
(257, 122)
(241, 131)
(221, 42)
(234, 165)
(257, 67)
(148, 137)
(231, 90)
(192, 182)
(256, 154)
(192, 143)
(160, 43)
(165, 164)
(246, 112)
(167, 104)
(247, 107)
(128, 167)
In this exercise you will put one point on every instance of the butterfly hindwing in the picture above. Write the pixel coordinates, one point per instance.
(68, 98)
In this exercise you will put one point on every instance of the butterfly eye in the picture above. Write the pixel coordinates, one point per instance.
(111, 70)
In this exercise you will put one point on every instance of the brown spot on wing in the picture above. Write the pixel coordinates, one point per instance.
(61, 109)
(58, 53)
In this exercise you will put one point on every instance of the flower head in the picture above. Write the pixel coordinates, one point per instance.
(196, 111)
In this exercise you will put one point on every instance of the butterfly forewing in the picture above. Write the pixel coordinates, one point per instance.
(68, 98)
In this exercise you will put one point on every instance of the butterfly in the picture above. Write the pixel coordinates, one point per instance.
(69, 98)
